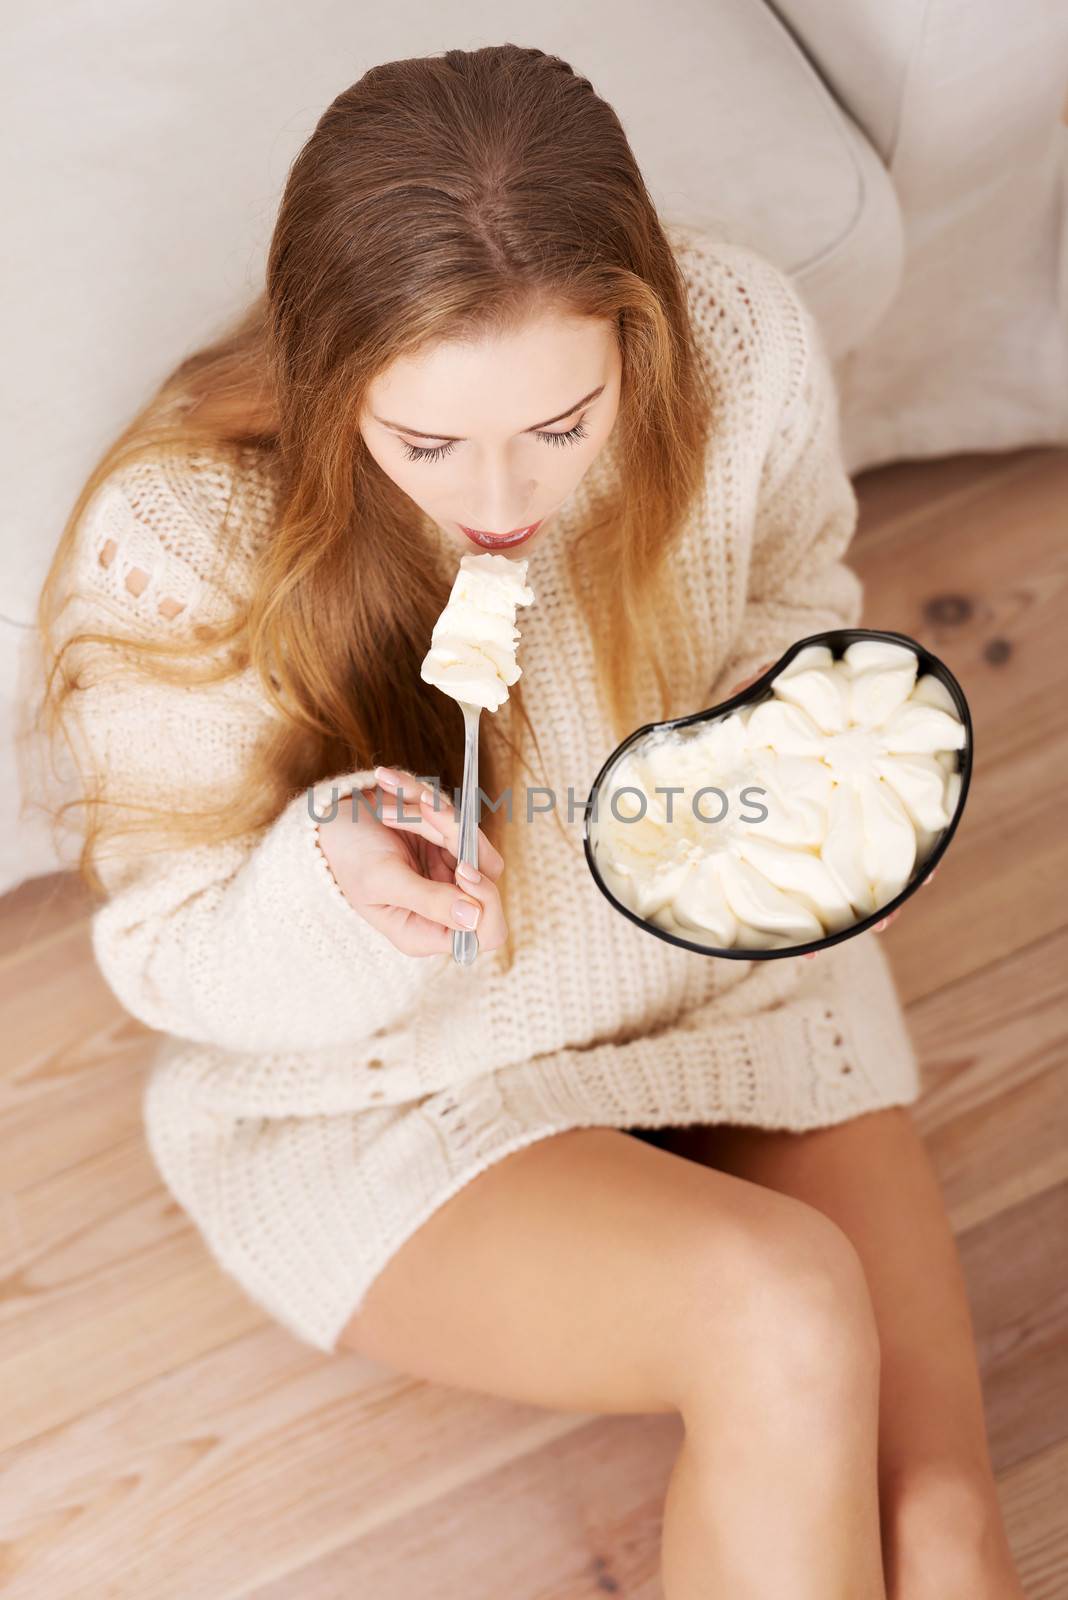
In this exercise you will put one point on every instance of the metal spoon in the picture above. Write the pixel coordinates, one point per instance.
(465, 940)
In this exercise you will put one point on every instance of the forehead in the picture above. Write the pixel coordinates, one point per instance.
(501, 382)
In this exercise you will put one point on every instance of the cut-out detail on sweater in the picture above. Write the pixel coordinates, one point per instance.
(136, 580)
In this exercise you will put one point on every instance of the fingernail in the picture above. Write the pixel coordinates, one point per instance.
(386, 778)
(427, 796)
(466, 870)
(465, 913)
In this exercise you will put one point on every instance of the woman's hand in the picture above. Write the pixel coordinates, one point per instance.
(885, 923)
(879, 926)
(759, 673)
(399, 870)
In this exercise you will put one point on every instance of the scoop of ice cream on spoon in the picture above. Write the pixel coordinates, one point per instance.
(472, 659)
(473, 645)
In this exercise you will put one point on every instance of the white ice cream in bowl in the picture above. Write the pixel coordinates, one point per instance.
(794, 815)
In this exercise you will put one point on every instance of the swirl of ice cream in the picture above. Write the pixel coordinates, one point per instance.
(473, 643)
(795, 817)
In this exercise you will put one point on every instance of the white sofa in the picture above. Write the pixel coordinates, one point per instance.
(906, 163)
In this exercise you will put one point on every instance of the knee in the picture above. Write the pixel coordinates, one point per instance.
(810, 1322)
(802, 1327)
(941, 1527)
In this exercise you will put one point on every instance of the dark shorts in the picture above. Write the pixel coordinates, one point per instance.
(655, 1136)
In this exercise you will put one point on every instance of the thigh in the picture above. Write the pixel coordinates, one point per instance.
(873, 1177)
(590, 1270)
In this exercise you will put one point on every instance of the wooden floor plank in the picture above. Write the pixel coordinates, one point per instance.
(1019, 1303)
(242, 1466)
(893, 495)
(578, 1517)
(994, 1112)
(1032, 1499)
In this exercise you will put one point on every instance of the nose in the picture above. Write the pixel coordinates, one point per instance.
(500, 507)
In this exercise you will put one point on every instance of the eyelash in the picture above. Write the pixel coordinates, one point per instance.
(420, 453)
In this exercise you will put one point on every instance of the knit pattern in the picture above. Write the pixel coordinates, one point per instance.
(317, 1093)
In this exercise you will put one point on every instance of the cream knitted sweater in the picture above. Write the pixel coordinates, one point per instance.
(282, 1001)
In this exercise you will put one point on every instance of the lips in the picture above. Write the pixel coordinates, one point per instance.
(499, 541)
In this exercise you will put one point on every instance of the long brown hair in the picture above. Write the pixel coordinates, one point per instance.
(445, 196)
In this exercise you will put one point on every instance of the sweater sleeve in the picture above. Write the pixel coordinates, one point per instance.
(249, 944)
(806, 513)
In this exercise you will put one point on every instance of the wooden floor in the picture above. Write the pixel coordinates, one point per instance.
(160, 1437)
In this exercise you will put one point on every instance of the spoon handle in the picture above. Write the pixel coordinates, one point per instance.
(465, 940)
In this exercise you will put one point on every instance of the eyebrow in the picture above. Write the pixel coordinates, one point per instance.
(458, 439)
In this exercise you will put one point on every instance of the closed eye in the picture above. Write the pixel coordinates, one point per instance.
(420, 453)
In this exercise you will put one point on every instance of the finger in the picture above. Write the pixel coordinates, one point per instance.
(400, 780)
(412, 934)
(409, 816)
(492, 929)
(752, 678)
(443, 816)
(416, 819)
(393, 882)
(439, 865)
(444, 868)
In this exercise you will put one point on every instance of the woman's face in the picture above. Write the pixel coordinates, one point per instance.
(495, 436)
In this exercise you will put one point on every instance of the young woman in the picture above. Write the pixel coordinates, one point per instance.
(474, 323)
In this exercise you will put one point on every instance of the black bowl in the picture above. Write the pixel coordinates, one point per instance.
(838, 640)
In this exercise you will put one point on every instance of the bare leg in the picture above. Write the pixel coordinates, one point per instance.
(591, 1271)
(942, 1526)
